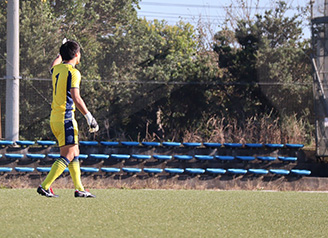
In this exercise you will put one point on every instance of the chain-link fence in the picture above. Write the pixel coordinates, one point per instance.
(176, 111)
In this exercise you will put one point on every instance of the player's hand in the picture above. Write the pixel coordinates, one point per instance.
(93, 125)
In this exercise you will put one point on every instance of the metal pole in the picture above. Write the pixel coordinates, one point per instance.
(12, 71)
(0, 122)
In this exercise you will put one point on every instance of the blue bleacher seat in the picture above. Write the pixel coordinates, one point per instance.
(83, 156)
(225, 157)
(287, 159)
(89, 143)
(14, 156)
(120, 156)
(233, 145)
(153, 170)
(151, 143)
(6, 142)
(301, 172)
(237, 171)
(131, 170)
(24, 169)
(266, 158)
(216, 171)
(253, 145)
(46, 142)
(174, 170)
(294, 146)
(212, 145)
(89, 170)
(35, 156)
(195, 170)
(204, 157)
(98, 156)
(274, 146)
(43, 169)
(5, 169)
(258, 171)
(171, 144)
(25, 142)
(142, 157)
(279, 171)
(245, 158)
(53, 156)
(183, 157)
(162, 157)
(191, 144)
(130, 143)
(109, 143)
(111, 170)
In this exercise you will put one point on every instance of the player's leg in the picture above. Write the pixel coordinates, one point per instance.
(57, 169)
(74, 167)
(65, 134)
(75, 172)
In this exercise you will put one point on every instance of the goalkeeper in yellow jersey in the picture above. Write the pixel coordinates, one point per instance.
(66, 96)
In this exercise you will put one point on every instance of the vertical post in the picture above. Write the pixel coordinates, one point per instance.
(0, 122)
(322, 54)
(12, 71)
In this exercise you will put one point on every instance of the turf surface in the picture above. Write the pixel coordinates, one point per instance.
(164, 213)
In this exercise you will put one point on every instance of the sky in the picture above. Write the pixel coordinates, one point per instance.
(211, 13)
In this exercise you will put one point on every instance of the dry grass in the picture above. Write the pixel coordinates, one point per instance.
(263, 129)
(177, 183)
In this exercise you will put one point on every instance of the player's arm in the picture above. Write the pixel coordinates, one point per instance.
(80, 105)
(58, 60)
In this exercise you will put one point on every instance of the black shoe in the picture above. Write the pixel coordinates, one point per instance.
(83, 194)
(48, 193)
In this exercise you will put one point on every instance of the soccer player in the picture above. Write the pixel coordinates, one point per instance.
(66, 96)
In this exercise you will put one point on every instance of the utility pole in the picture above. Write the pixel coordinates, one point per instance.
(319, 20)
(12, 71)
(0, 122)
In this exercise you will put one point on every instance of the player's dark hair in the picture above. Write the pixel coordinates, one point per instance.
(69, 49)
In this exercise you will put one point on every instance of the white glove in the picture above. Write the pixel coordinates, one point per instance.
(93, 125)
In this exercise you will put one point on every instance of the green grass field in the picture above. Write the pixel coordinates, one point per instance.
(164, 213)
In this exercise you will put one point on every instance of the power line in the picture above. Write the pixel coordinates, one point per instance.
(165, 13)
(202, 6)
(169, 14)
(177, 17)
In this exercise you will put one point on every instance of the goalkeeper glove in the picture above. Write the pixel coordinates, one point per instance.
(93, 125)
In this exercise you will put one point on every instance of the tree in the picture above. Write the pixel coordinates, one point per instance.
(147, 79)
(116, 46)
(154, 54)
(270, 50)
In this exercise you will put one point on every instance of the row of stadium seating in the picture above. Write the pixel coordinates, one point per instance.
(155, 144)
(192, 171)
(158, 157)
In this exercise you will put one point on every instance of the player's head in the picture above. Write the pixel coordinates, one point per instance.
(70, 50)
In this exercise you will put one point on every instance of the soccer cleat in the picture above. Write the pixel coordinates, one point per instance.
(83, 194)
(48, 193)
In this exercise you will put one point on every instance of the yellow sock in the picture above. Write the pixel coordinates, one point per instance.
(75, 172)
(56, 170)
